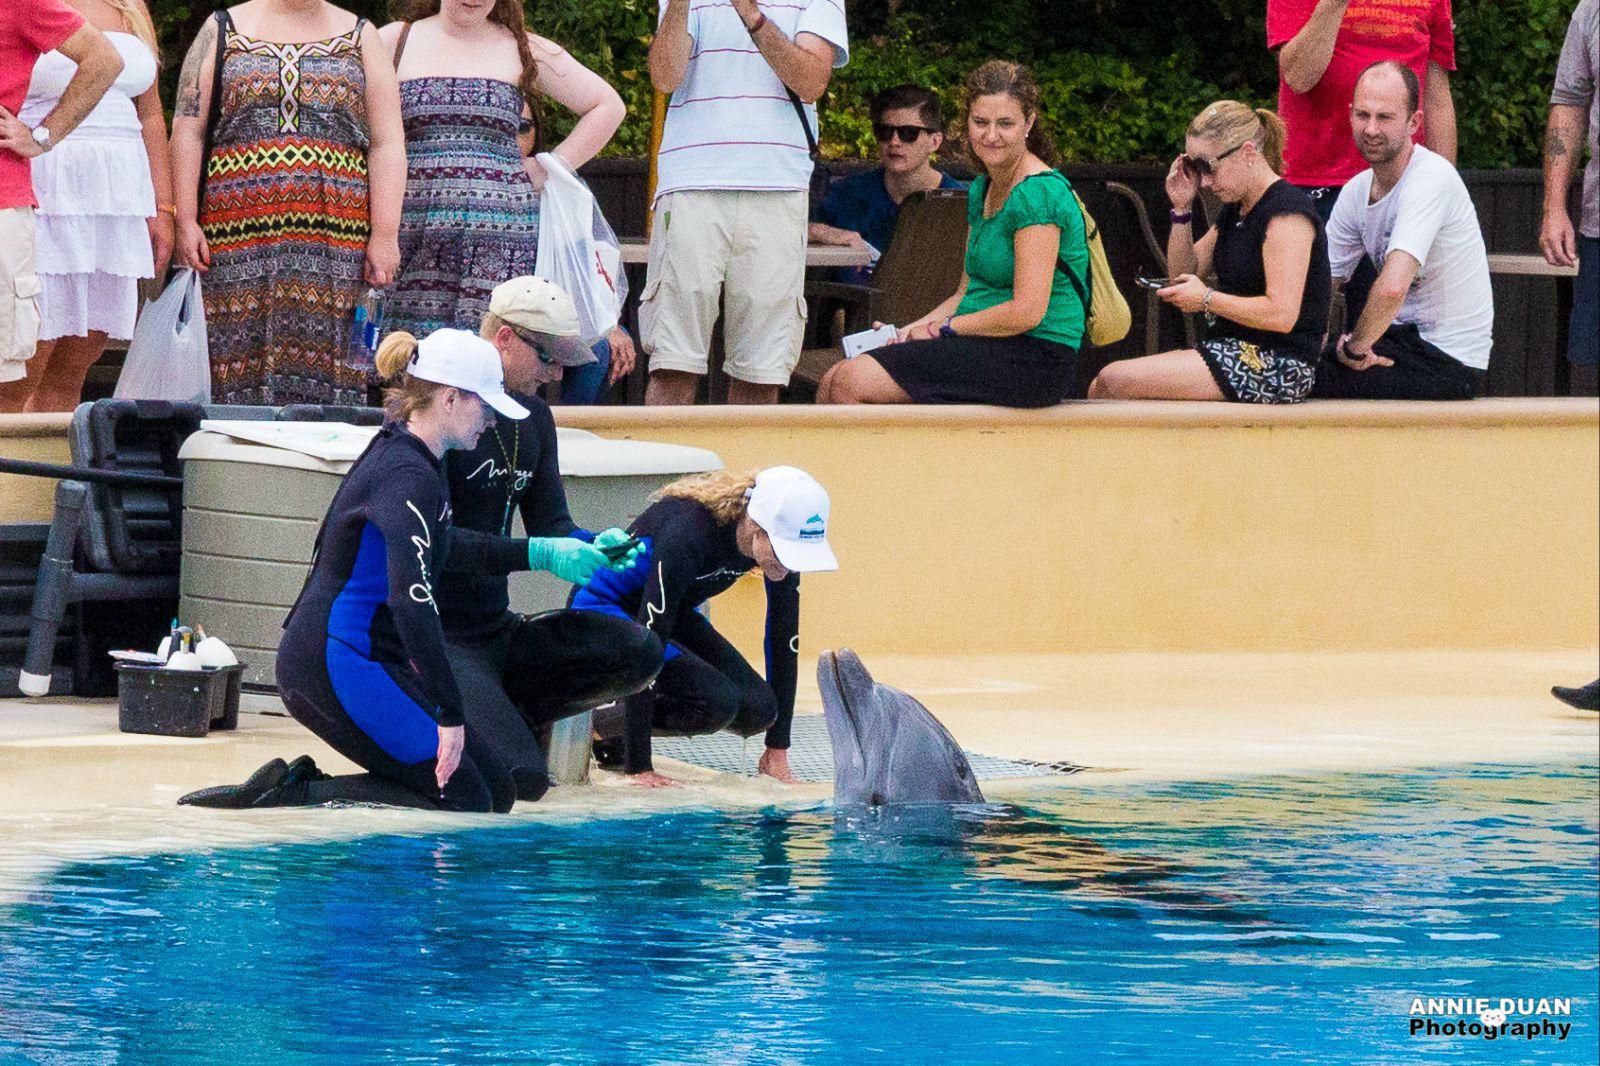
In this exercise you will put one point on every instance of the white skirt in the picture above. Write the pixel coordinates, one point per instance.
(95, 197)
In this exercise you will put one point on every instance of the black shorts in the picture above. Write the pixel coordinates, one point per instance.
(1019, 371)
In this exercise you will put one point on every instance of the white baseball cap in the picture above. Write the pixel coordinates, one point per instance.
(793, 509)
(537, 305)
(466, 361)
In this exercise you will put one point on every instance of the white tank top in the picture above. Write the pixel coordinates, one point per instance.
(116, 110)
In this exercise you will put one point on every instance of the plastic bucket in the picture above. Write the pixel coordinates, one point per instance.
(177, 703)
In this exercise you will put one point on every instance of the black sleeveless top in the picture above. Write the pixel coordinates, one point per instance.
(1240, 271)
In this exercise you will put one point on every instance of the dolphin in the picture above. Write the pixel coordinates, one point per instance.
(887, 748)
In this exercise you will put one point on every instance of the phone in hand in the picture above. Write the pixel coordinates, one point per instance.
(1152, 283)
(619, 551)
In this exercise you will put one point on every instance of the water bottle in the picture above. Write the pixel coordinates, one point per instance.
(365, 330)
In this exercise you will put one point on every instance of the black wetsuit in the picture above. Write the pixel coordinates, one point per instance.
(705, 684)
(363, 662)
(520, 673)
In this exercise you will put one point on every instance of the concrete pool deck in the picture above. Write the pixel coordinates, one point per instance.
(74, 788)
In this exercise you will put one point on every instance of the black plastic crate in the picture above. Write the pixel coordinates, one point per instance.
(177, 703)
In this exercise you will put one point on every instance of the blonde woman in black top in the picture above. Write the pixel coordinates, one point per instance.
(1260, 276)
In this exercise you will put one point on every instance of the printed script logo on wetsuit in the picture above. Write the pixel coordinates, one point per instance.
(493, 471)
(422, 591)
(1491, 1017)
(813, 529)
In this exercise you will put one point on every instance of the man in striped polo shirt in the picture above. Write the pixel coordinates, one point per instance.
(731, 190)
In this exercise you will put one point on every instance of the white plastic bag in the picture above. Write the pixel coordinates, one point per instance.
(168, 358)
(579, 251)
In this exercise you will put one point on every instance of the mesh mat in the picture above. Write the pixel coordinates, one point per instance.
(811, 755)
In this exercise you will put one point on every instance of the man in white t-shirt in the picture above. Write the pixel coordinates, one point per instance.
(1427, 325)
(729, 224)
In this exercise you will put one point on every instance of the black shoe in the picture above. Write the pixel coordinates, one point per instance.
(608, 754)
(291, 791)
(304, 769)
(233, 797)
(1586, 698)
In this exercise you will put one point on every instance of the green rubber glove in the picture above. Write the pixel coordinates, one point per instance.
(612, 536)
(568, 558)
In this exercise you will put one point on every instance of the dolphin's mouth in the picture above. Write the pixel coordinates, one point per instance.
(839, 675)
(841, 716)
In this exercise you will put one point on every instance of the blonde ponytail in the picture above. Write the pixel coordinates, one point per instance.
(394, 354)
(1273, 134)
(406, 395)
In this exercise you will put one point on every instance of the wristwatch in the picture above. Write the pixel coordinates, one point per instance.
(947, 330)
(41, 136)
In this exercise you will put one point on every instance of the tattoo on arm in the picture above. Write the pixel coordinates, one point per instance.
(1554, 145)
(205, 45)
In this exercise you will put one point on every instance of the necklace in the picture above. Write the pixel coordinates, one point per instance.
(511, 472)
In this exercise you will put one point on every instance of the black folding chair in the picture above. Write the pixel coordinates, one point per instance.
(116, 533)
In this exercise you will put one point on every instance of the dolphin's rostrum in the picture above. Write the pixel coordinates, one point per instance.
(887, 747)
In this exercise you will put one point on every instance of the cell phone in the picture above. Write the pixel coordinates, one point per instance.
(1152, 283)
(615, 552)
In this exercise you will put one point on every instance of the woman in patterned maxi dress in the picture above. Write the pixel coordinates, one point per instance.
(471, 217)
(301, 199)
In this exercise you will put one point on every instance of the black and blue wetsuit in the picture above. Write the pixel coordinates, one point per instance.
(363, 662)
(705, 684)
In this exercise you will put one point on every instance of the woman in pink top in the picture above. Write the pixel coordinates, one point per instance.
(27, 31)
(105, 217)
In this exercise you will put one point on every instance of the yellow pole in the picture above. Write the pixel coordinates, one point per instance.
(658, 120)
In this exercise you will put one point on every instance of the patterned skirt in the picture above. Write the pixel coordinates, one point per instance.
(286, 219)
(1249, 373)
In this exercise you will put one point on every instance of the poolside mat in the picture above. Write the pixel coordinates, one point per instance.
(811, 755)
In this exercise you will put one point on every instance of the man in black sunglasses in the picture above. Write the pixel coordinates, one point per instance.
(863, 208)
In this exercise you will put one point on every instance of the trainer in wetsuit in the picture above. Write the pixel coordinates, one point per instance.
(363, 661)
(519, 673)
(703, 534)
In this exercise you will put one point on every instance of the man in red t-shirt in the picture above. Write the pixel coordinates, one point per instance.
(27, 31)
(1323, 46)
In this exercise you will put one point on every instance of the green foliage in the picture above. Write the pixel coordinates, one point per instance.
(1506, 54)
(1119, 78)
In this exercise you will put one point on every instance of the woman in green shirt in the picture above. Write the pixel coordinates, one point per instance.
(1010, 334)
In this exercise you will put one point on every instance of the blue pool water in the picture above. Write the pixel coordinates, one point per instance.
(1277, 918)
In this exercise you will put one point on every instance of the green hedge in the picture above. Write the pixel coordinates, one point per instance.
(1119, 78)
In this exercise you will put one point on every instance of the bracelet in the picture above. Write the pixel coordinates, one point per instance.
(167, 209)
(1205, 306)
(948, 329)
(761, 20)
(1179, 217)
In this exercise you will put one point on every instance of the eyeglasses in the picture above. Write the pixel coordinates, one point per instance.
(906, 134)
(534, 341)
(1198, 166)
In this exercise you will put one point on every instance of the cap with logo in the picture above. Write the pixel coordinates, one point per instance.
(793, 510)
(538, 305)
(466, 361)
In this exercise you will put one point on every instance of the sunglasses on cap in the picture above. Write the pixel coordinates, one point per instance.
(1198, 166)
(906, 134)
(534, 341)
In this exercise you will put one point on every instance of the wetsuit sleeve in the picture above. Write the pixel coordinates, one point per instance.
(671, 573)
(544, 502)
(407, 513)
(783, 652)
(473, 552)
